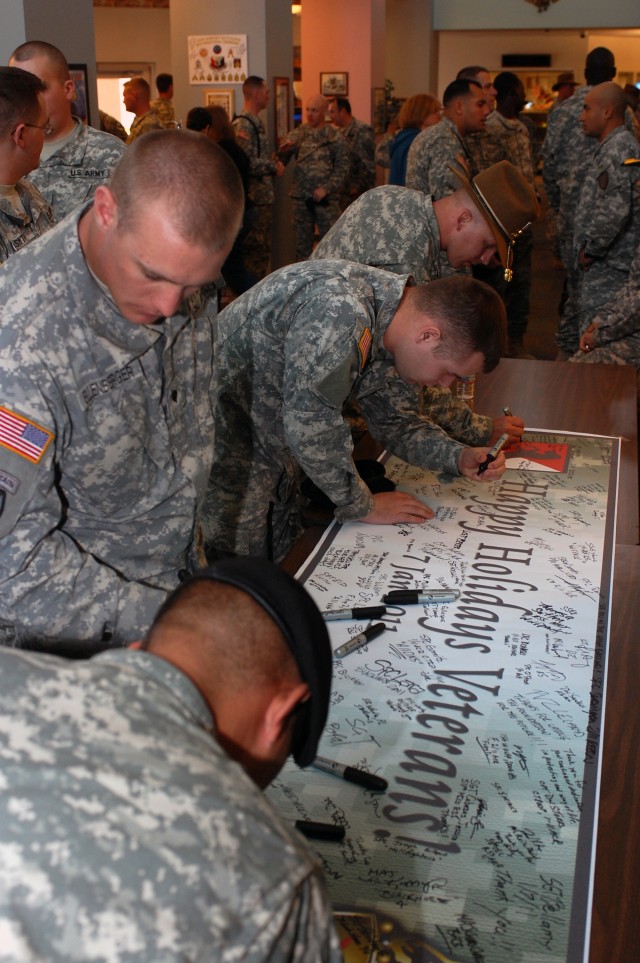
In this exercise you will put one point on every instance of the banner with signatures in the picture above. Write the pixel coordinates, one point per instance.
(484, 714)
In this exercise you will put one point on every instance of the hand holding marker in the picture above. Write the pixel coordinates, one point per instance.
(493, 453)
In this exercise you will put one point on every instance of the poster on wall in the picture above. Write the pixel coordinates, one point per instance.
(218, 59)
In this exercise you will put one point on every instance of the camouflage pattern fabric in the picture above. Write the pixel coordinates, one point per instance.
(165, 111)
(617, 336)
(69, 177)
(430, 155)
(512, 142)
(100, 492)
(18, 229)
(362, 166)
(322, 161)
(256, 244)
(288, 354)
(484, 150)
(607, 222)
(143, 124)
(128, 835)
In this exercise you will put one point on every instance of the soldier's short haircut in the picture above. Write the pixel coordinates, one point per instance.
(18, 98)
(40, 48)
(459, 88)
(252, 83)
(140, 83)
(163, 82)
(342, 103)
(470, 73)
(471, 315)
(192, 175)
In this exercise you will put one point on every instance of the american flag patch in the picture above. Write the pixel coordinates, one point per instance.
(23, 436)
(364, 344)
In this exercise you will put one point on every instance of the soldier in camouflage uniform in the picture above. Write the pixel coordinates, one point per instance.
(136, 96)
(613, 337)
(76, 158)
(607, 222)
(438, 148)
(142, 832)
(252, 137)
(321, 170)
(361, 147)
(24, 213)
(566, 154)
(294, 348)
(163, 103)
(107, 428)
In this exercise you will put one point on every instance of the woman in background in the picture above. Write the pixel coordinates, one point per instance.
(417, 112)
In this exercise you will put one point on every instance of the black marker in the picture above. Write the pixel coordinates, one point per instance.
(368, 612)
(493, 453)
(313, 830)
(420, 596)
(361, 639)
(351, 774)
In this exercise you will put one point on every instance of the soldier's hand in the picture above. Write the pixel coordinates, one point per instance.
(587, 339)
(471, 459)
(319, 193)
(280, 168)
(507, 425)
(585, 260)
(392, 507)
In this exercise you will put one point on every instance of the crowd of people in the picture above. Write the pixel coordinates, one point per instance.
(154, 450)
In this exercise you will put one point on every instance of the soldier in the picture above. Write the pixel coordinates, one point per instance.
(163, 103)
(140, 771)
(75, 158)
(361, 147)
(24, 213)
(252, 137)
(136, 96)
(288, 355)
(607, 221)
(480, 144)
(566, 154)
(613, 337)
(321, 169)
(106, 427)
(440, 148)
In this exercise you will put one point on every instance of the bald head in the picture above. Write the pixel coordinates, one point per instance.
(317, 107)
(603, 110)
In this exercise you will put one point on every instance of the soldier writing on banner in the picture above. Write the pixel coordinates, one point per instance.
(24, 213)
(106, 421)
(75, 158)
(140, 771)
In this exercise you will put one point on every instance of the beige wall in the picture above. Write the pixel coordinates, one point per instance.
(134, 35)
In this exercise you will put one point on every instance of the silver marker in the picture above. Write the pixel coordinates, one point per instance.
(359, 640)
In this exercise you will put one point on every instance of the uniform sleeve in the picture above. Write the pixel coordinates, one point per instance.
(611, 212)
(340, 172)
(248, 139)
(620, 318)
(50, 589)
(301, 931)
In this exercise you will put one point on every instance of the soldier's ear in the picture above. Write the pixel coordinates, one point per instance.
(465, 217)
(105, 208)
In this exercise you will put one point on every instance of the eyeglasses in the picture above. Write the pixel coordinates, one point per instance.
(45, 128)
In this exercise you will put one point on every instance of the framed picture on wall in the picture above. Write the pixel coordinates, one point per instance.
(334, 84)
(280, 107)
(221, 98)
(80, 106)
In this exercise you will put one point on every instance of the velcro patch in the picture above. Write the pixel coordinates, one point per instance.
(364, 346)
(603, 180)
(23, 436)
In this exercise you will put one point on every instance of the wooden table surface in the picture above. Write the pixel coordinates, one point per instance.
(590, 398)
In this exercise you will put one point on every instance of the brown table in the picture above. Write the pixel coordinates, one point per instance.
(590, 398)
(615, 928)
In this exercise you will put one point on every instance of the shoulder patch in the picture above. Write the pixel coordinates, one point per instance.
(25, 437)
(603, 181)
(364, 346)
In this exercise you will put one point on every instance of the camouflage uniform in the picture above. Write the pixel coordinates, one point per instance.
(607, 222)
(164, 110)
(143, 124)
(362, 172)
(617, 336)
(135, 836)
(322, 161)
(97, 514)
(112, 126)
(256, 245)
(69, 177)
(17, 229)
(483, 147)
(288, 354)
(430, 155)
(511, 142)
